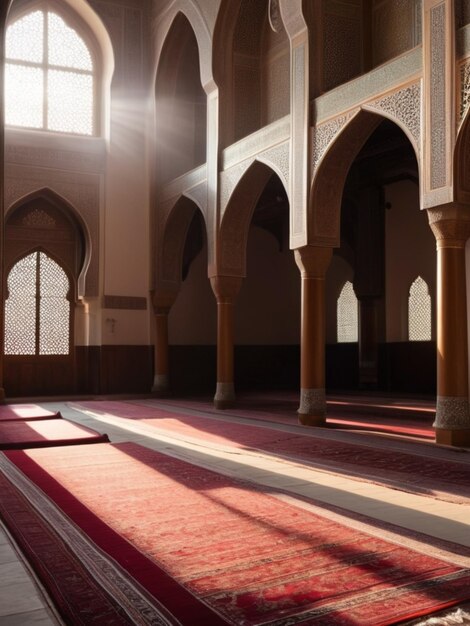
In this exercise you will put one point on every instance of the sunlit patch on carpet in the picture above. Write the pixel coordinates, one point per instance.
(26, 412)
(199, 541)
(438, 478)
(44, 433)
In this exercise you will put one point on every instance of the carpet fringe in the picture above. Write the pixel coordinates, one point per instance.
(452, 619)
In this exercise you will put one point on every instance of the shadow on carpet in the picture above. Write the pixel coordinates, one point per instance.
(120, 534)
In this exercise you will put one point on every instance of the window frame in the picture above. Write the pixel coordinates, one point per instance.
(69, 298)
(79, 25)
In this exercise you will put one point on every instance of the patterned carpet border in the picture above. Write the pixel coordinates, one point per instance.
(427, 591)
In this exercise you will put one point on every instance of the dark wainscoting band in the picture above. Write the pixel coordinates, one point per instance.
(128, 303)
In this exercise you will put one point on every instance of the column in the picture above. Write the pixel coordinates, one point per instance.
(452, 423)
(3, 15)
(226, 290)
(162, 303)
(312, 262)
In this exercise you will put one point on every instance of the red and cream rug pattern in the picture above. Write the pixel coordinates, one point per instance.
(223, 552)
(438, 478)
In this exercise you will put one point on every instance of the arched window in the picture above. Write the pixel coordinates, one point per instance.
(37, 311)
(49, 75)
(347, 319)
(419, 311)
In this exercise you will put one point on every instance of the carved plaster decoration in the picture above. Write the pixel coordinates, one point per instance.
(199, 195)
(452, 413)
(404, 106)
(464, 89)
(299, 126)
(55, 159)
(82, 191)
(38, 218)
(278, 159)
(438, 97)
(229, 180)
(324, 135)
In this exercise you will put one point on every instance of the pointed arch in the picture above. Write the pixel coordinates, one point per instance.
(180, 103)
(251, 68)
(419, 311)
(40, 200)
(233, 234)
(347, 315)
(192, 14)
(175, 231)
(461, 162)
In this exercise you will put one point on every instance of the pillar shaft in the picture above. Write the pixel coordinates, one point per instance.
(313, 263)
(452, 424)
(162, 303)
(3, 16)
(225, 289)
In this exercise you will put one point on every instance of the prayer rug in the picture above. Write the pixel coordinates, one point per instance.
(214, 550)
(26, 412)
(434, 477)
(44, 433)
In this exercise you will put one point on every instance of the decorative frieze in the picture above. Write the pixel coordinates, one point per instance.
(404, 106)
(438, 98)
(126, 303)
(323, 136)
(464, 89)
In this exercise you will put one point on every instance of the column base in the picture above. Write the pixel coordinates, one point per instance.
(312, 420)
(161, 387)
(224, 396)
(312, 409)
(459, 437)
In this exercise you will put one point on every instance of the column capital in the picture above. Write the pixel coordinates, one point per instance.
(313, 261)
(162, 300)
(450, 224)
(226, 288)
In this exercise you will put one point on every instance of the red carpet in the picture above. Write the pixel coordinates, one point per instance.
(358, 413)
(216, 551)
(25, 412)
(444, 479)
(43, 433)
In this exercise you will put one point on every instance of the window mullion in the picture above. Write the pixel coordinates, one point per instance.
(45, 60)
(38, 300)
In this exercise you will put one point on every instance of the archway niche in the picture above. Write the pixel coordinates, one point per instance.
(181, 104)
(192, 319)
(252, 68)
(388, 242)
(267, 318)
(44, 237)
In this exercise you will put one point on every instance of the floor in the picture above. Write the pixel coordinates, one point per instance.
(23, 603)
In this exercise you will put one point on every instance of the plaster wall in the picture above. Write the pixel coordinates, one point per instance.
(410, 252)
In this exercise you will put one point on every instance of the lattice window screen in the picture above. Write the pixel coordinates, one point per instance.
(419, 311)
(49, 80)
(347, 316)
(37, 312)
(20, 308)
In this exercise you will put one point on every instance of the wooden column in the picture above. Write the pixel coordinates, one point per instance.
(162, 303)
(226, 290)
(312, 262)
(3, 15)
(452, 424)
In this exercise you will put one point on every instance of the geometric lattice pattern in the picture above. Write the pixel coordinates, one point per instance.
(347, 315)
(419, 311)
(49, 82)
(20, 307)
(37, 311)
